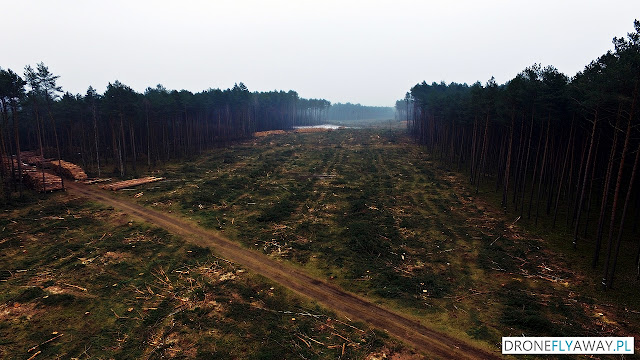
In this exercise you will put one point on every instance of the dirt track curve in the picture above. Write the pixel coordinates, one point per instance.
(424, 339)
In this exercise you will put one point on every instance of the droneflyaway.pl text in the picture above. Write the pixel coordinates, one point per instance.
(567, 345)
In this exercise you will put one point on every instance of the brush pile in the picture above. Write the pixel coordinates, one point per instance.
(131, 183)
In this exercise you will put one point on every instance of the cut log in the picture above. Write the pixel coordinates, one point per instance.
(130, 183)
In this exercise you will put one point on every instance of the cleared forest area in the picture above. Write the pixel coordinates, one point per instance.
(80, 280)
(372, 212)
(479, 211)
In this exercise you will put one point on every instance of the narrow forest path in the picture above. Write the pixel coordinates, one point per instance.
(423, 338)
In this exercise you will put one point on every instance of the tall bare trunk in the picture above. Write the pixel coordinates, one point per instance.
(586, 178)
(544, 161)
(564, 166)
(526, 168)
(605, 193)
(95, 136)
(535, 170)
(614, 205)
(55, 135)
(608, 282)
(617, 190)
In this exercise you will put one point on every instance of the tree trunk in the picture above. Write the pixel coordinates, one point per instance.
(584, 182)
(483, 155)
(617, 190)
(605, 193)
(526, 168)
(95, 132)
(14, 116)
(544, 161)
(570, 193)
(55, 135)
(614, 205)
(535, 170)
(518, 169)
(609, 282)
(593, 174)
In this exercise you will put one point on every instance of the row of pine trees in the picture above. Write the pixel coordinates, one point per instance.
(559, 149)
(349, 111)
(120, 130)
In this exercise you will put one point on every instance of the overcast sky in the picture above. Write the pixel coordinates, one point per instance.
(369, 52)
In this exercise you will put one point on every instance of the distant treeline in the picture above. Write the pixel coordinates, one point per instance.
(349, 111)
(566, 149)
(122, 128)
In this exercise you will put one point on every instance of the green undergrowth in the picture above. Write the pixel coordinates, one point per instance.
(79, 280)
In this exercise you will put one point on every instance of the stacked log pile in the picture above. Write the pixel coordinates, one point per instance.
(311, 130)
(6, 163)
(130, 183)
(267, 133)
(34, 179)
(68, 170)
(32, 158)
(33, 176)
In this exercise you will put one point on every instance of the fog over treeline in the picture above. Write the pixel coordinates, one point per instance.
(349, 111)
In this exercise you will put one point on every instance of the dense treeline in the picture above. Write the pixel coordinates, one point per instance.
(120, 129)
(566, 149)
(349, 111)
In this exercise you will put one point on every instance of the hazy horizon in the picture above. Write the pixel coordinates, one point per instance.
(367, 52)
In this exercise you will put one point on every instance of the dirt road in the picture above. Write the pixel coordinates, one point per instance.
(431, 342)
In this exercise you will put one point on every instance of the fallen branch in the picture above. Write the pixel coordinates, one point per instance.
(75, 286)
(342, 337)
(34, 355)
(349, 325)
(439, 252)
(118, 316)
(304, 341)
(314, 340)
(46, 342)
